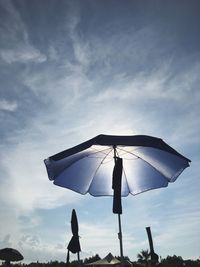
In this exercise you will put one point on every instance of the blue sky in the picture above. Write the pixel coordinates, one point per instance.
(71, 70)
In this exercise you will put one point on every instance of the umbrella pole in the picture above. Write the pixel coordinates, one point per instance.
(119, 220)
(120, 238)
(78, 257)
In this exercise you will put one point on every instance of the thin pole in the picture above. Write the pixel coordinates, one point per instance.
(120, 238)
(78, 256)
(119, 222)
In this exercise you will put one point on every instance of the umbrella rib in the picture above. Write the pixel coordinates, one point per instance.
(125, 176)
(145, 162)
(90, 155)
(126, 151)
(102, 151)
(99, 167)
(87, 156)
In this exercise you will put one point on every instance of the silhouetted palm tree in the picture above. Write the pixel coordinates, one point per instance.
(144, 257)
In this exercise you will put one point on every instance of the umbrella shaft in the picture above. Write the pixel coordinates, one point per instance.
(120, 238)
(119, 222)
(114, 147)
(78, 257)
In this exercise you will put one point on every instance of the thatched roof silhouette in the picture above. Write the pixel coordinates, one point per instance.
(108, 260)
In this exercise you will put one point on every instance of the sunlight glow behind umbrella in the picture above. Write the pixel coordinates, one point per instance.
(148, 163)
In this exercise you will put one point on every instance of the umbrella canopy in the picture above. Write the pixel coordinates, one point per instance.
(10, 254)
(108, 165)
(148, 163)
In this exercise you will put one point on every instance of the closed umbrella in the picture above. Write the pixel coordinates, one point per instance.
(74, 244)
(108, 165)
(154, 256)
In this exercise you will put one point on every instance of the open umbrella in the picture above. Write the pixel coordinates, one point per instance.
(154, 256)
(74, 244)
(116, 166)
(10, 254)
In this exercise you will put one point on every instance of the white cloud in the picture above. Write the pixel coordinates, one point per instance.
(26, 180)
(178, 228)
(24, 54)
(34, 250)
(5, 242)
(81, 48)
(156, 85)
(8, 105)
(96, 237)
(32, 241)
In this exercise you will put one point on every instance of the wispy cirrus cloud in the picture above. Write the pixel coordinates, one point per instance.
(15, 45)
(8, 105)
(157, 84)
(23, 54)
